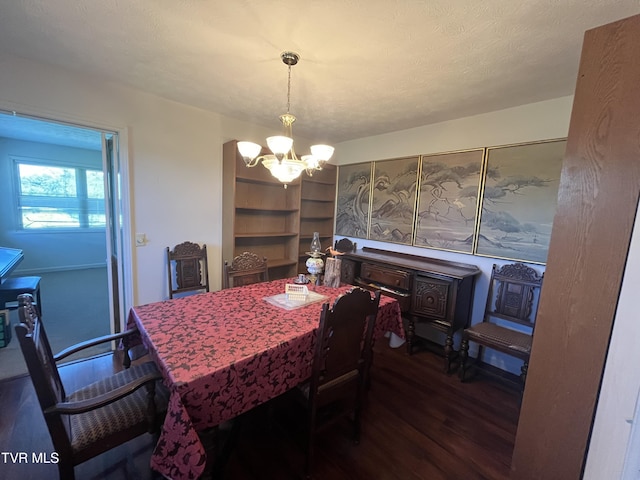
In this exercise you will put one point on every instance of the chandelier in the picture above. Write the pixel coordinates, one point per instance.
(283, 162)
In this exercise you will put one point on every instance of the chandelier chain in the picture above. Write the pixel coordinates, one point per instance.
(289, 90)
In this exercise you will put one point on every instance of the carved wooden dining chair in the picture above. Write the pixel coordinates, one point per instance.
(344, 245)
(245, 269)
(343, 354)
(187, 269)
(514, 291)
(99, 416)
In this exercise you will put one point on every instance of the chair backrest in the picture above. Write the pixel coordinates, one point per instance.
(513, 293)
(245, 269)
(344, 245)
(189, 262)
(343, 345)
(42, 369)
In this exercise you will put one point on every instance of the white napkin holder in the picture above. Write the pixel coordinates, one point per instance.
(296, 293)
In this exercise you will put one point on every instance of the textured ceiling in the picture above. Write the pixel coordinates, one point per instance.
(367, 66)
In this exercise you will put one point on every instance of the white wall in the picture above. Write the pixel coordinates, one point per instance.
(174, 153)
(620, 392)
(538, 121)
(527, 123)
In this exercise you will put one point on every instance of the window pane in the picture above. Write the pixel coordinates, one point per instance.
(60, 196)
(95, 184)
(47, 181)
(95, 213)
(97, 220)
(43, 217)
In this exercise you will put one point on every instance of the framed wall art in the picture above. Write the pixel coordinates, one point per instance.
(519, 199)
(448, 200)
(393, 202)
(352, 207)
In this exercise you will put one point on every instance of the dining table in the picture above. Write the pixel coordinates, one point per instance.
(223, 353)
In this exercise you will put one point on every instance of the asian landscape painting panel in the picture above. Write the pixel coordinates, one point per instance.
(448, 200)
(352, 210)
(519, 200)
(393, 204)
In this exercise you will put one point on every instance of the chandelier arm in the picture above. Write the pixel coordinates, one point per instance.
(255, 161)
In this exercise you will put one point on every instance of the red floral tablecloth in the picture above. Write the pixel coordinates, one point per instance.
(223, 353)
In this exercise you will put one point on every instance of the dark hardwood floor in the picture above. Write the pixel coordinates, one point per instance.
(419, 423)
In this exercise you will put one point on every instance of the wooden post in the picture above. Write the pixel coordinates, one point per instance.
(592, 229)
(332, 272)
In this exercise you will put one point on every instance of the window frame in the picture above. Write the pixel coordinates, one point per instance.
(81, 201)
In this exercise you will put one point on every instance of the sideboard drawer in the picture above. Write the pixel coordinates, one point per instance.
(387, 276)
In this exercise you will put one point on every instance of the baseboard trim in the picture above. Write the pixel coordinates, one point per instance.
(64, 268)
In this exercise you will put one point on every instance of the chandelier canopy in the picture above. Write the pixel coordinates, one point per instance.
(283, 163)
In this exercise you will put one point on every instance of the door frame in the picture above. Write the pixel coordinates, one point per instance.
(125, 259)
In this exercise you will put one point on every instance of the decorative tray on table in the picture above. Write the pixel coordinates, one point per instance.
(295, 296)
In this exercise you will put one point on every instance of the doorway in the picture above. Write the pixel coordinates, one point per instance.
(62, 204)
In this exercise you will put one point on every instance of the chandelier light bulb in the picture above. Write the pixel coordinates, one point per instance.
(311, 162)
(249, 151)
(280, 145)
(322, 152)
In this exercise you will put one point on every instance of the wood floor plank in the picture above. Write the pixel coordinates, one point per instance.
(418, 424)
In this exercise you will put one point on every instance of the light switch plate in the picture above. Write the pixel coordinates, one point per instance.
(141, 239)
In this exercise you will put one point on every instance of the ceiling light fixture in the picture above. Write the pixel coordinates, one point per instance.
(283, 163)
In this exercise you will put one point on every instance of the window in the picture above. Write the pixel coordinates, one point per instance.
(58, 196)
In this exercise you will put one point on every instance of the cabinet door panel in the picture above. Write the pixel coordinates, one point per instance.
(347, 271)
(431, 297)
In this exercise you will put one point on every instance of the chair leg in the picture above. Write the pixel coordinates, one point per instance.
(39, 302)
(308, 466)
(356, 426)
(464, 354)
(309, 460)
(66, 470)
(411, 331)
(367, 370)
(523, 373)
(362, 388)
(448, 353)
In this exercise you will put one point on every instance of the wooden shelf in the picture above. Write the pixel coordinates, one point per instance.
(310, 236)
(261, 216)
(280, 262)
(267, 211)
(263, 181)
(321, 217)
(317, 210)
(265, 234)
(259, 175)
(322, 182)
(324, 200)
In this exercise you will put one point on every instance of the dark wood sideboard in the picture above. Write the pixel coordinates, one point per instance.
(436, 292)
